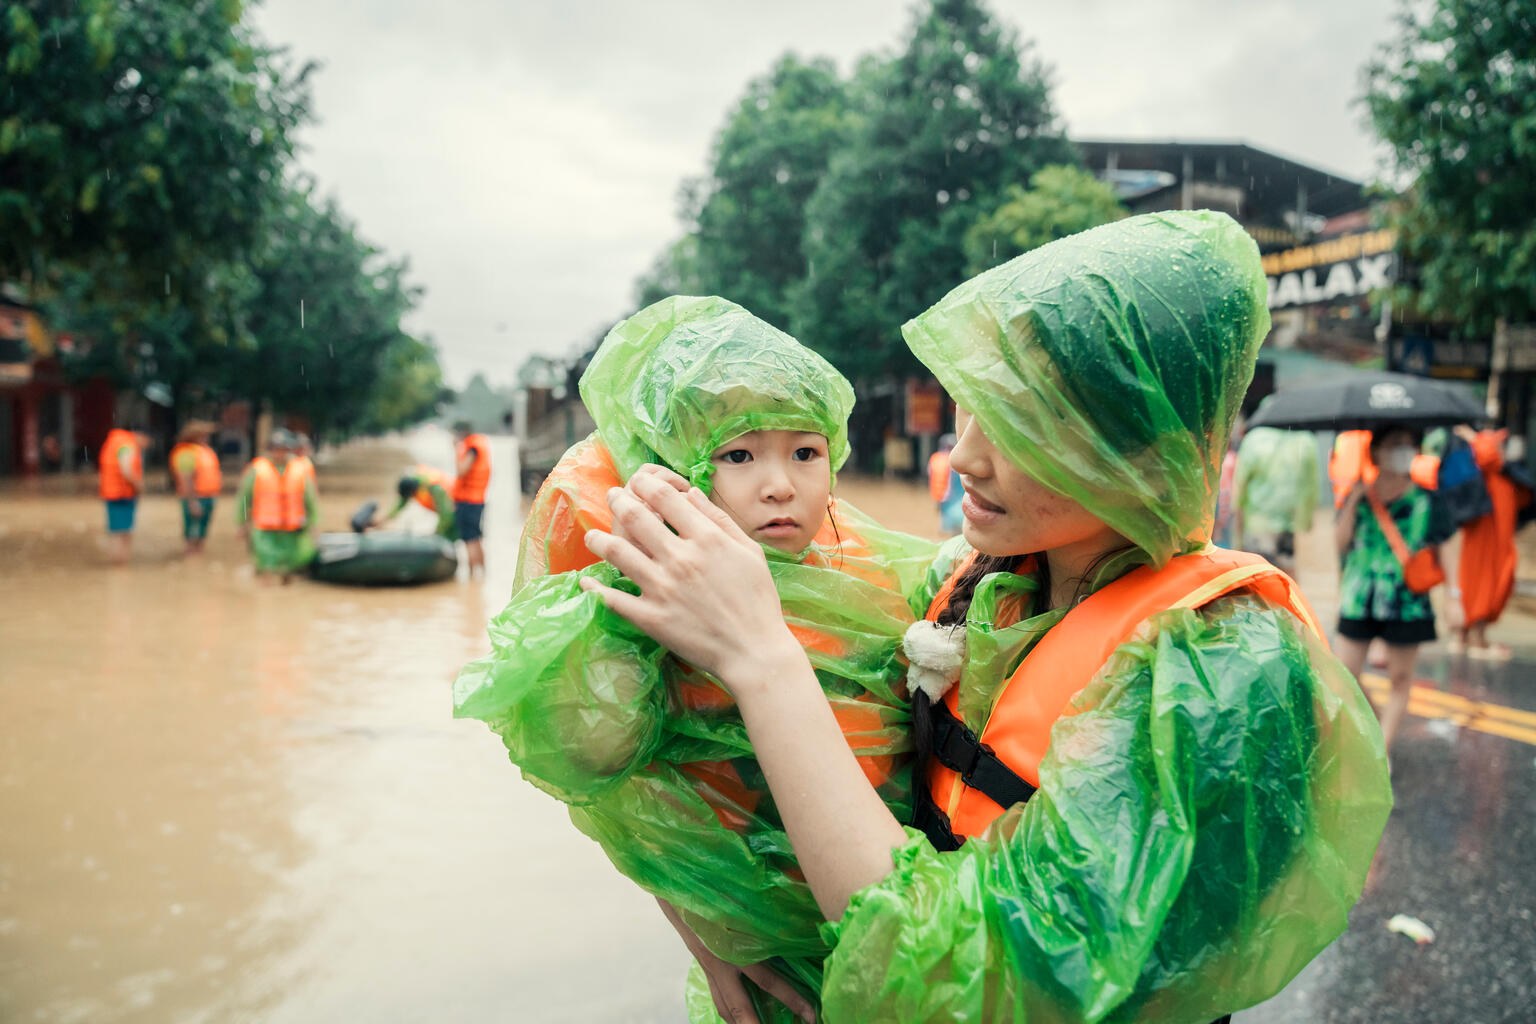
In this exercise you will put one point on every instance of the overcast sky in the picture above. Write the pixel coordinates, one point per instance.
(526, 154)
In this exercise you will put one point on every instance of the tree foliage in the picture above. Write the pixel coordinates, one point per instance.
(1060, 201)
(325, 322)
(769, 159)
(147, 201)
(938, 134)
(145, 138)
(1454, 97)
(839, 209)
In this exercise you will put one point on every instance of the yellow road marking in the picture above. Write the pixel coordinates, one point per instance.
(1428, 702)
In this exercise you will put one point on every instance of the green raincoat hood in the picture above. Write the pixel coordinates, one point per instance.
(685, 375)
(1110, 365)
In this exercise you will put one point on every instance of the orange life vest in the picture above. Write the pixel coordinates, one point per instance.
(470, 486)
(1426, 471)
(1066, 659)
(277, 499)
(426, 476)
(303, 466)
(1349, 462)
(938, 475)
(115, 485)
(207, 479)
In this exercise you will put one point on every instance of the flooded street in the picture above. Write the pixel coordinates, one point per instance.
(224, 801)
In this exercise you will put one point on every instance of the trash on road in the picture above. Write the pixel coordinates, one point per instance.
(1412, 927)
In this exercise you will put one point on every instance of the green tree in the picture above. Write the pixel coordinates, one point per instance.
(144, 139)
(1060, 201)
(1454, 97)
(767, 161)
(410, 387)
(327, 343)
(938, 134)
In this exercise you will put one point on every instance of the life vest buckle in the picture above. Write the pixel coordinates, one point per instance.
(957, 747)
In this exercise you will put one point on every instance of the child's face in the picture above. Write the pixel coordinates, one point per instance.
(775, 485)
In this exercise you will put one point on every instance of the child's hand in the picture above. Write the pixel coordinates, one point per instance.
(705, 591)
(725, 986)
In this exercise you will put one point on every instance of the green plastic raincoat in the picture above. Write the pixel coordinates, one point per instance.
(1277, 480)
(651, 754)
(1203, 827)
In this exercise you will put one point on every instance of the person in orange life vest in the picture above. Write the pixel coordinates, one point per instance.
(428, 488)
(1488, 552)
(944, 487)
(1154, 794)
(1350, 463)
(121, 465)
(197, 478)
(278, 509)
(472, 463)
(649, 752)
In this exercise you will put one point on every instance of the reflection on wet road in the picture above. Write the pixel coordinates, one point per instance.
(224, 801)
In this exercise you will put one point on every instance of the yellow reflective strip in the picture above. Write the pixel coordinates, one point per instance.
(1204, 594)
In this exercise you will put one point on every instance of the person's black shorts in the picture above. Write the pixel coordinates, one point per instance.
(1398, 634)
(466, 516)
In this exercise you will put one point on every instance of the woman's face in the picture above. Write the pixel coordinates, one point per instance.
(1394, 452)
(775, 485)
(1008, 513)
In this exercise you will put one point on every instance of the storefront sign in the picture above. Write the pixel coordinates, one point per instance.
(925, 408)
(1343, 268)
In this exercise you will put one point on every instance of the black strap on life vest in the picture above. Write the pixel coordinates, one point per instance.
(936, 732)
(939, 734)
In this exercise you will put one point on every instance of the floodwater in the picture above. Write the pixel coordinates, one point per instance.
(224, 801)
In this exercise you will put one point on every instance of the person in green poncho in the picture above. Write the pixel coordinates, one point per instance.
(278, 509)
(650, 754)
(427, 487)
(1275, 492)
(1153, 794)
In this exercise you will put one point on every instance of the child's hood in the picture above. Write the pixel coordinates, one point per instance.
(685, 375)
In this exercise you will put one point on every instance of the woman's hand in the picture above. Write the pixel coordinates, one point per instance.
(705, 591)
(725, 980)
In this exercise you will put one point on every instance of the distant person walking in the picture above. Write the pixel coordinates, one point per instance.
(121, 464)
(198, 479)
(429, 488)
(1274, 493)
(279, 508)
(472, 461)
(1399, 519)
(1488, 553)
(945, 488)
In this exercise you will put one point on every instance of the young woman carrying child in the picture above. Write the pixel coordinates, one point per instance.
(1153, 794)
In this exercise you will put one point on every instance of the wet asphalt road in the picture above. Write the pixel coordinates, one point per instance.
(1459, 853)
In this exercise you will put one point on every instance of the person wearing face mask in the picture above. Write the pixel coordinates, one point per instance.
(1375, 599)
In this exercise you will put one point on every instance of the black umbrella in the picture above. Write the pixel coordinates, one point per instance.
(1365, 400)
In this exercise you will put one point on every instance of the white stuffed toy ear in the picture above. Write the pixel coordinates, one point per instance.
(936, 654)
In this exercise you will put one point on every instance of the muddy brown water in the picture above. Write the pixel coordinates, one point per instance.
(224, 801)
